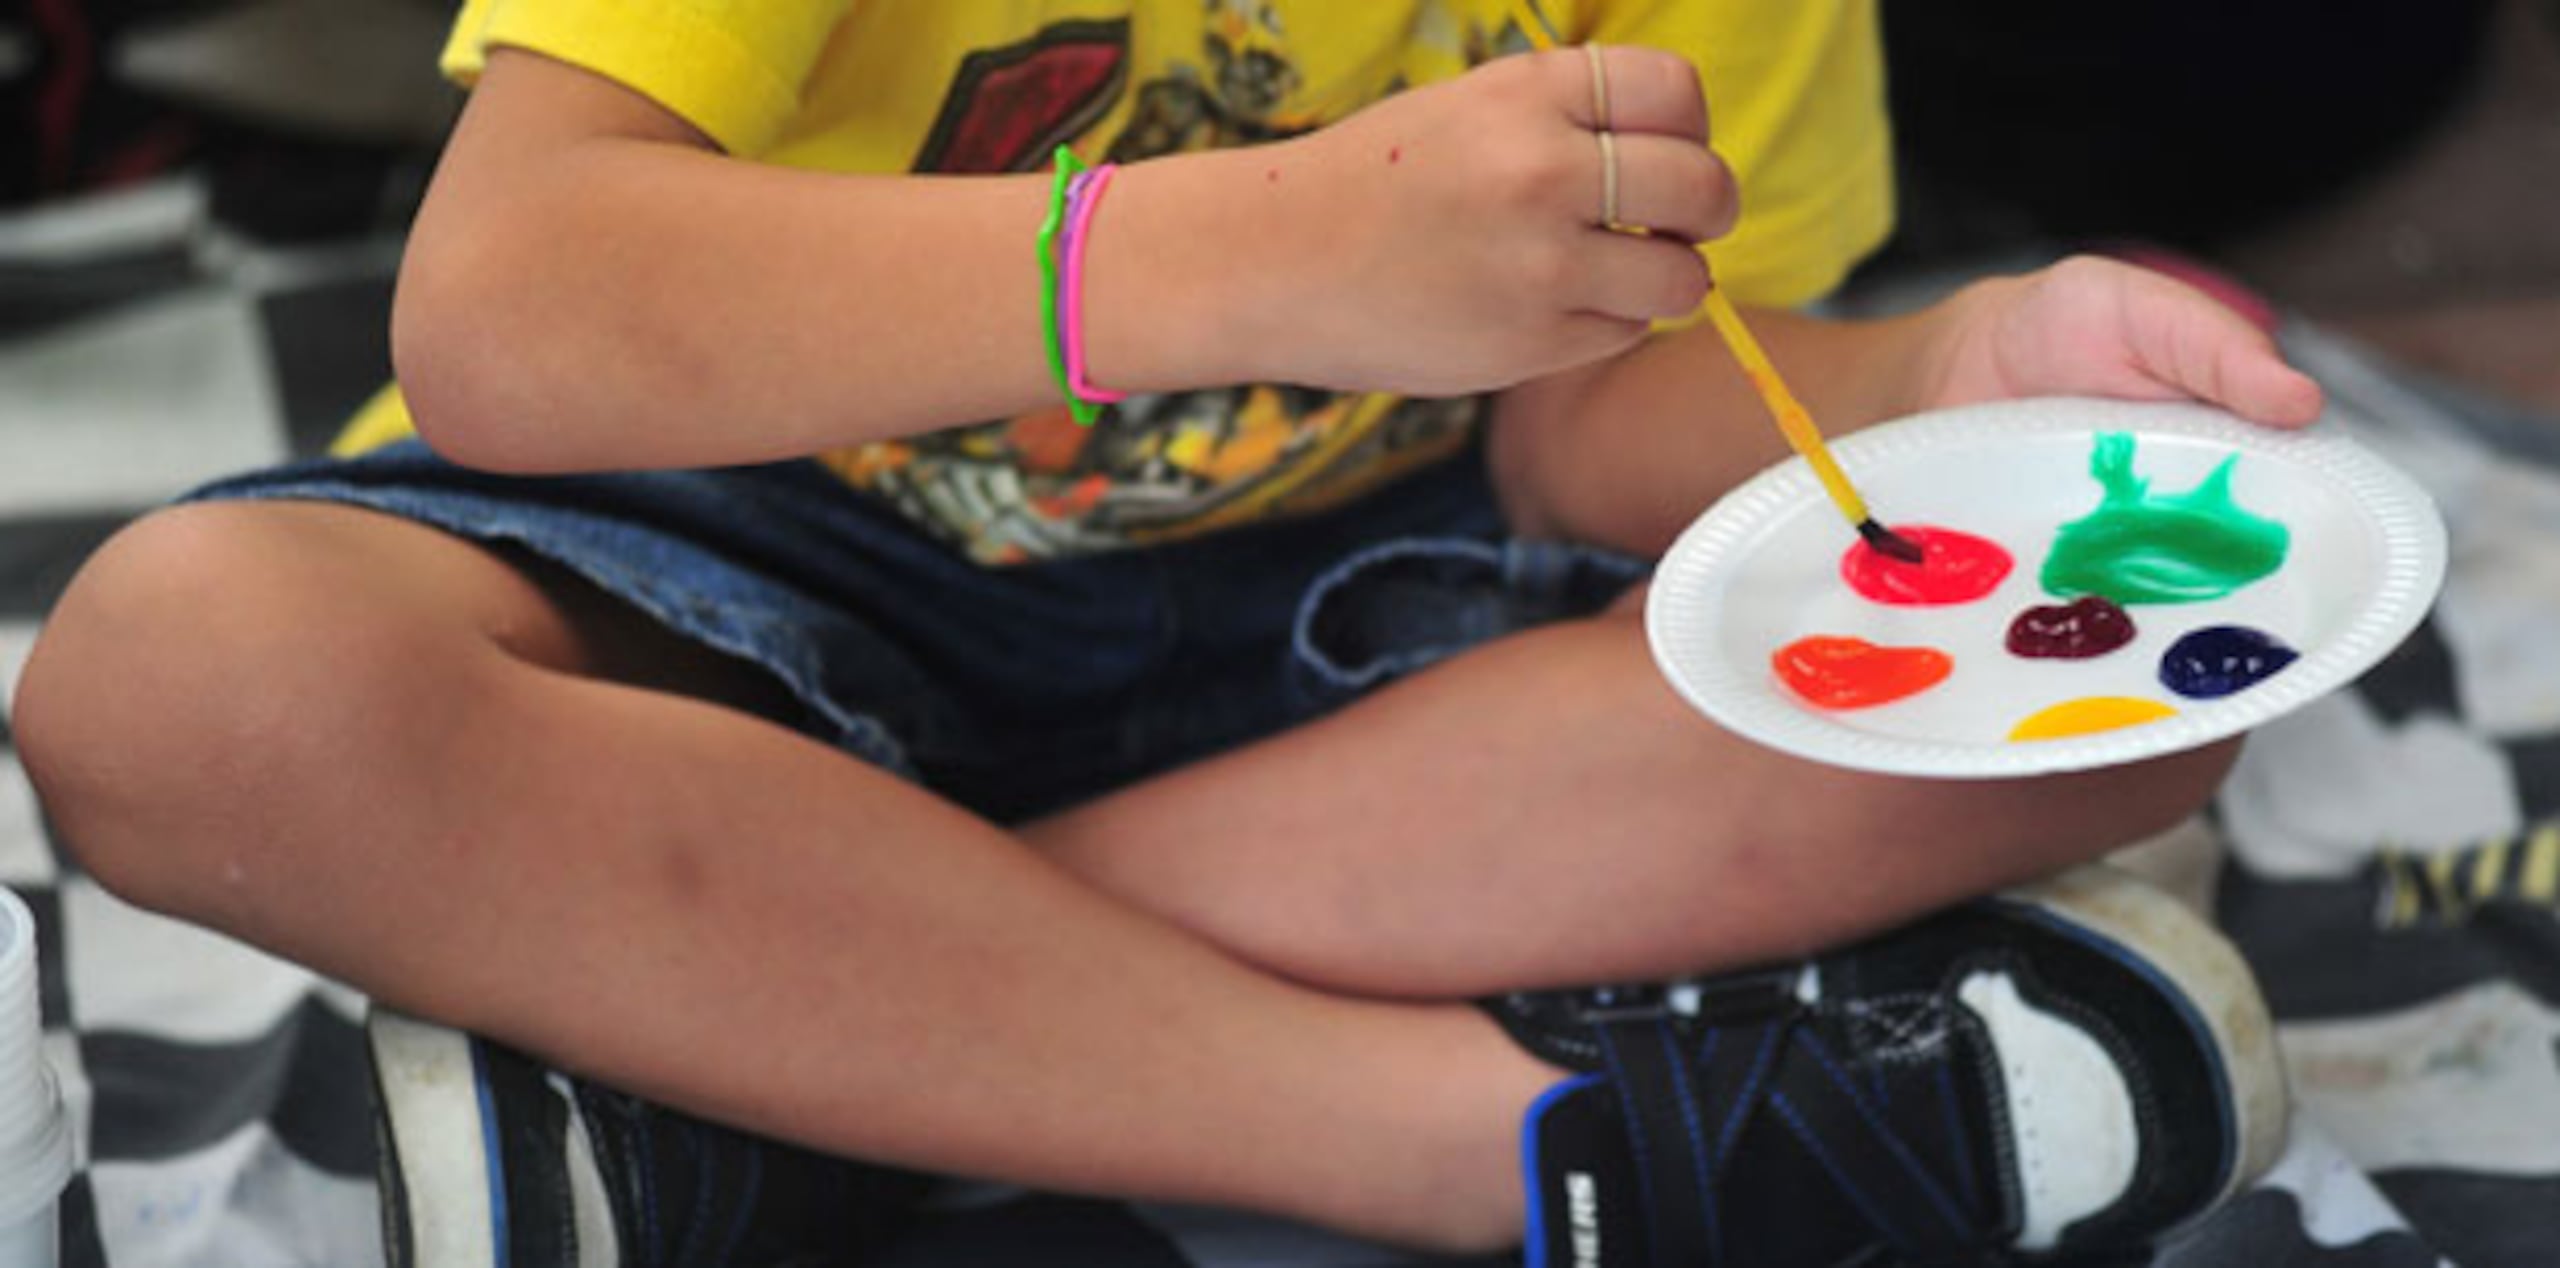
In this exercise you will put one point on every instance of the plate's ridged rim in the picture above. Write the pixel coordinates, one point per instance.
(1679, 609)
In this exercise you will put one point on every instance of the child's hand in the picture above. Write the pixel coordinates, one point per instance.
(2097, 327)
(1451, 239)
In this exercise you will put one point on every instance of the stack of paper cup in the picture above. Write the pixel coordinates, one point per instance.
(35, 1145)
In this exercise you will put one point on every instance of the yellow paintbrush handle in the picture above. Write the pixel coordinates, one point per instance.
(1802, 436)
(1533, 23)
(1797, 425)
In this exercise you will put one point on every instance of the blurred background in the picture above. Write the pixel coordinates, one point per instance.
(2389, 170)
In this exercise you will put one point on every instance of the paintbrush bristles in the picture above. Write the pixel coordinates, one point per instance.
(1885, 541)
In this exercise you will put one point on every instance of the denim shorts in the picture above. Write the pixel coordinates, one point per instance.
(1020, 689)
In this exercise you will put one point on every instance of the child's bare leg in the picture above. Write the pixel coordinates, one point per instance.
(1545, 811)
(1541, 810)
(377, 750)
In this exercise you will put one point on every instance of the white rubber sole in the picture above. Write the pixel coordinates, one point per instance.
(432, 1124)
(2112, 904)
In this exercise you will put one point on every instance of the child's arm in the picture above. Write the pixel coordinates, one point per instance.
(591, 283)
(1628, 452)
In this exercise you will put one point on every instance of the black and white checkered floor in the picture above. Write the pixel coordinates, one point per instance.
(2394, 850)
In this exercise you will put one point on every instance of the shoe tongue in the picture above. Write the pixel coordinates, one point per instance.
(2068, 1107)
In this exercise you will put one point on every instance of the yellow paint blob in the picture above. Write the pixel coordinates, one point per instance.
(2090, 713)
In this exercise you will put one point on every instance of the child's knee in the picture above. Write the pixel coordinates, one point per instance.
(159, 686)
(2075, 819)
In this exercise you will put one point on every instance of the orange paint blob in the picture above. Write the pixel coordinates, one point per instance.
(1835, 672)
(1954, 568)
(2089, 714)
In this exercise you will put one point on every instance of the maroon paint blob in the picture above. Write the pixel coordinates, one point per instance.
(2086, 627)
(1954, 568)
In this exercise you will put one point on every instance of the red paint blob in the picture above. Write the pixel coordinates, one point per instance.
(1836, 672)
(1954, 568)
(2086, 627)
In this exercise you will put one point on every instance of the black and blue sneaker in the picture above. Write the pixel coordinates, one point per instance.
(490, 1159)
(2062, 1072)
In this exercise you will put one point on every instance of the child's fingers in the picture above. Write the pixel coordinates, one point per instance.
(2250, 380)
(1639, 278)
(1672, 187)
(2214, 353)
(1628, 89)
(1589, 337)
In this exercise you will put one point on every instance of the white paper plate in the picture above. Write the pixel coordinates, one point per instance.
(1761, 569)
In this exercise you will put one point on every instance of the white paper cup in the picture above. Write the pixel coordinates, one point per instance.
(35, 1241)
(35, 1143)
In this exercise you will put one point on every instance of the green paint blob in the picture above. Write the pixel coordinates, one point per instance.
(2173, 548)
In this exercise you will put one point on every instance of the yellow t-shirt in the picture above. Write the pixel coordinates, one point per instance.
(1795, 91)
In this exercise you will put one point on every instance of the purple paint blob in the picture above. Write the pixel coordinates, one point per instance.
(2086, 627)
(2221, 659)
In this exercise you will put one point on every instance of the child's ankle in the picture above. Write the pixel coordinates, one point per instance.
(1479, 1197)
(1443, 1175)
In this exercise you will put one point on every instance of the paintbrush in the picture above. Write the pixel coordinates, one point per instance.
(1793, 421)
(1802, 436)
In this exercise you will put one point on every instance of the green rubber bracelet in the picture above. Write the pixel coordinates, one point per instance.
(1068, 167)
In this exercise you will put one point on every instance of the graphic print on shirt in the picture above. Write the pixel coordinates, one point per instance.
(1009, 107)
(1162, 466)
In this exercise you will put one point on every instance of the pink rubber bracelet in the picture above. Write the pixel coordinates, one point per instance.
(1071, 290)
